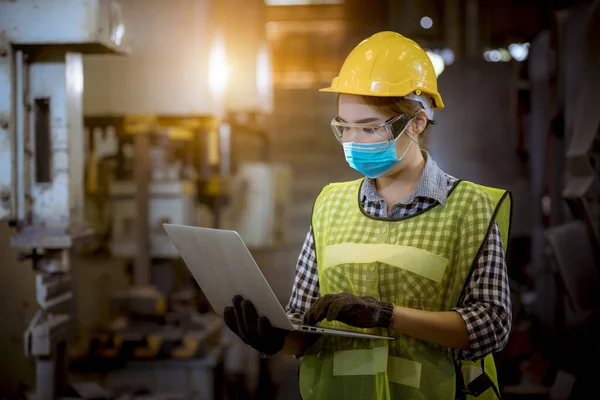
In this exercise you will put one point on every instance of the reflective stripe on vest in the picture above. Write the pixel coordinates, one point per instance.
(420, 262)
(375, 361)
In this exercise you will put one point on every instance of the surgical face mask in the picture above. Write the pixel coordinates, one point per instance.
(374, 159)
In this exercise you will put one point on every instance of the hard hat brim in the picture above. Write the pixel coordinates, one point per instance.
(438, 99)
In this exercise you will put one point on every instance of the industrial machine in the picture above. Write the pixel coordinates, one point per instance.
(171, 123)
(171, 145)
(41, 164)
(573, 238)
(563, 132)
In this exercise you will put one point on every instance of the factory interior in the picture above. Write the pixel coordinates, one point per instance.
(119, 116)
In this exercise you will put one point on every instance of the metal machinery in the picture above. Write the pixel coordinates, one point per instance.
(175, 145)
(153, 180)
(41, 154)
(564, 147)
(573, 237)
(165, 145)
(168, 169)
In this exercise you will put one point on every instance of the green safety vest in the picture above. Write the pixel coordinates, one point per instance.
(421, 261)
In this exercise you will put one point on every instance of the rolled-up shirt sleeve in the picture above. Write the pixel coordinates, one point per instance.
(485, 303)
(306, 283)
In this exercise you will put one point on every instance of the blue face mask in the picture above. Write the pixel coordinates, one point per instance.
(373, 159)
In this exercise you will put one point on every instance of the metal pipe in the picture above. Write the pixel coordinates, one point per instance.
(19, 123)
(539, 73)
(452, 26)
(45, 378)
(472, 30)
(141, 274)
(225, 148)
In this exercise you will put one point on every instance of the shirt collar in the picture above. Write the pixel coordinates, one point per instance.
(433, 185)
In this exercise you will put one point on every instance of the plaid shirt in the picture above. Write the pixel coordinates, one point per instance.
(485, 301)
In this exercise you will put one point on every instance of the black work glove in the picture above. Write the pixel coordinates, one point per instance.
(361, 312)
(255, 331)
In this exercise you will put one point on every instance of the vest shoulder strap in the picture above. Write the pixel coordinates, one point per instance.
(337, 185)
(502, 200)
(332, 187)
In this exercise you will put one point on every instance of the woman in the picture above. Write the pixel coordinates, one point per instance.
(408, 251)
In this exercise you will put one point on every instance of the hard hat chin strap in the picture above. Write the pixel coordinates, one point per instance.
(424, 102)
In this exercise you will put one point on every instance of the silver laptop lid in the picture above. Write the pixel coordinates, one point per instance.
(223, 267)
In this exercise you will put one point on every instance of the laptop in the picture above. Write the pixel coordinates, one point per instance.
(223, 267)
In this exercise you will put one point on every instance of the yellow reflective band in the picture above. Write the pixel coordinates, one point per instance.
(375, 361)
(360, 362)
(405, 372)
(420, 262)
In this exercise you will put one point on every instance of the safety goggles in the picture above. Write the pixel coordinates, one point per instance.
(370, 132)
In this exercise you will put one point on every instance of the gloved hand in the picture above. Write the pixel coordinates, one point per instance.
(257, 332)
(361, 312)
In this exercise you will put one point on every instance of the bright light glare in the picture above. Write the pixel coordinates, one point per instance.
(217, 67)
(426, 22)
(447, 55)
(504, 55)
(264, 77)
(493, 56)
(519, 51)
(117, 25)
(437, 61)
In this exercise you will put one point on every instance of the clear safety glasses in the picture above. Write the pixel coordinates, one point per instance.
(370, 132)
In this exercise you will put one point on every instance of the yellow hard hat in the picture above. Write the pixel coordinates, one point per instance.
(388, 64)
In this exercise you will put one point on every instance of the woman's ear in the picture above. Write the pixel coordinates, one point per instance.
(419, 122)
